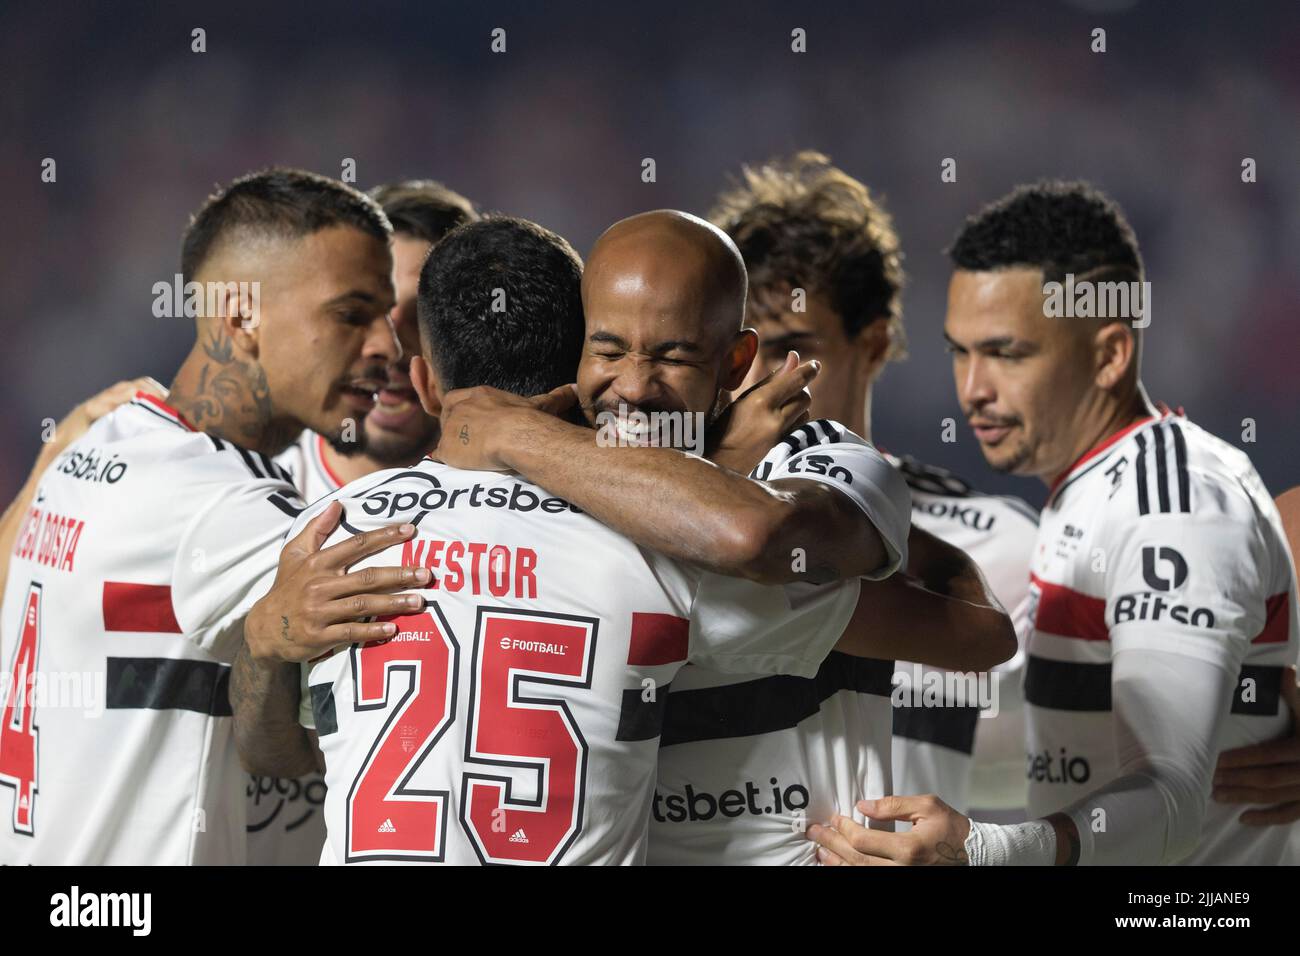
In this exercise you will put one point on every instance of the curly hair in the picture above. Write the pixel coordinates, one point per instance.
(804, 223)
(1060, 227)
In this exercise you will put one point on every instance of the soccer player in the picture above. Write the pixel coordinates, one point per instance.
(1165, 612)
(149, 537)
(529, 703)
(397, 430)
(802, 224)
(286, 817)
(733, 784)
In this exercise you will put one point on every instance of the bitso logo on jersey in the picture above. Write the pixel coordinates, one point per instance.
(1166, 555)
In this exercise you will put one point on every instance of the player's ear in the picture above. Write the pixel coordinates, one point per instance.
(741, 357)
(872, 345)
(425, 382)
(1115, 346)
(237, 309)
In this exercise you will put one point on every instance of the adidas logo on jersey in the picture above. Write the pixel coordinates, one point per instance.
(519, 836)
(387, 827)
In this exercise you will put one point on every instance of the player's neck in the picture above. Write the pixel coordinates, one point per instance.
(348, 468)
(223, 395)
(855, 414)
(1111, 418)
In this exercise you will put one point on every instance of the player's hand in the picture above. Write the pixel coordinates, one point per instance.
(762, 415)
(316, 605)
(480, 424)
(1267, 774)
(937, 838)
(77, 421)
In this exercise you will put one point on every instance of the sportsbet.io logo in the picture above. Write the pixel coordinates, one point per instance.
(693, 806)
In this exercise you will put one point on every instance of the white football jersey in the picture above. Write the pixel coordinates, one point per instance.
(1161, 539)
(286, 817)
(142, 551)
(517, 718)
(747, 762)
(305, 462)
(937, 716)
(286, 820)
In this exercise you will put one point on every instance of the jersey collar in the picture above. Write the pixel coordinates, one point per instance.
(166, 409)
(325, 465)
(1105, 443)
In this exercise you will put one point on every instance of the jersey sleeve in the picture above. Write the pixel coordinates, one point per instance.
(227, 558)
(1185, 596)
(740, 627)
(1169, 710)
(1194, 583)
(828, 453)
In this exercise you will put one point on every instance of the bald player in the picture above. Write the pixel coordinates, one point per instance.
(428, 726)
(744, 758)
(663, 294)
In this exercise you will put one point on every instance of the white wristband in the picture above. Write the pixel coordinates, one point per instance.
(1016, 844)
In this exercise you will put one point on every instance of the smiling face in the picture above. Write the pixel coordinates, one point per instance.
(398, 431)
(648, 360)
(662, 297)
(1023, 381)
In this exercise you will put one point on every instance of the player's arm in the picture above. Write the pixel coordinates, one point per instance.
(72, 427)
(1171, 687)
(1267, 775)
(1150, 814)
(673, 502)
(265, 698)
(314, 605)
(941, 612)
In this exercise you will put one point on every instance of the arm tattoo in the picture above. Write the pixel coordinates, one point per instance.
(264, 699)
(464, 434)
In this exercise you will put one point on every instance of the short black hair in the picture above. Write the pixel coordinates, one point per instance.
(1059, 227)
(805, 223)
(500, 304)
(282, 203)
(423, 208)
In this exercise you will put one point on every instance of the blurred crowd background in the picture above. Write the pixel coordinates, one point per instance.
(555, 129)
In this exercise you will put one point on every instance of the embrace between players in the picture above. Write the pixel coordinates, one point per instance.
(532, 647)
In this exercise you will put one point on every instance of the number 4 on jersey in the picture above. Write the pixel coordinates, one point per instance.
(18, 732)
